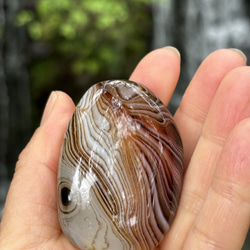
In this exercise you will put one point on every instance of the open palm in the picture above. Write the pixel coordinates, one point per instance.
(214, 122)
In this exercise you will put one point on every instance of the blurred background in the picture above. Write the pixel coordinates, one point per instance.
(71, 44)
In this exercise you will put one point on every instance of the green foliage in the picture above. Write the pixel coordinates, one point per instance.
(24, 17)
(87, 40)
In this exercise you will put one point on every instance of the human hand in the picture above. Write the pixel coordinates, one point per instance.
(214, 124)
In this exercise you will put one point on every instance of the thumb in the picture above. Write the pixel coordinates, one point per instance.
(31, 200)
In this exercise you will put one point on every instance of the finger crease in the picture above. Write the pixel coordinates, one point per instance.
(193, 112)
(191, 202)
(228, 190)
(206, 242)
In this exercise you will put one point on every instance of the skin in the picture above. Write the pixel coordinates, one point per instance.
(214, 122)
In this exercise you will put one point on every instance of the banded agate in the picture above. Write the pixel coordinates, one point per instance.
(120, 172)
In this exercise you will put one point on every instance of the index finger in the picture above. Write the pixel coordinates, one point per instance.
(159, 71)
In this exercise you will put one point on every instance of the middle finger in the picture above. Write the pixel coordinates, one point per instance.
(199, 95)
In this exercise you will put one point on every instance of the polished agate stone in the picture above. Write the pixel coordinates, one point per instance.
(120, 171)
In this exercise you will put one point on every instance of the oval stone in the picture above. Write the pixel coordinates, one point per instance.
(121, 169)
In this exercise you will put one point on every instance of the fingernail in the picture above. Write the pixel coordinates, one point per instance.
(177, 52)
(240, 52)
(49, 106)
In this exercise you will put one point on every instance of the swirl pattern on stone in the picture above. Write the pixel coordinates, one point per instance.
(120, 171)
